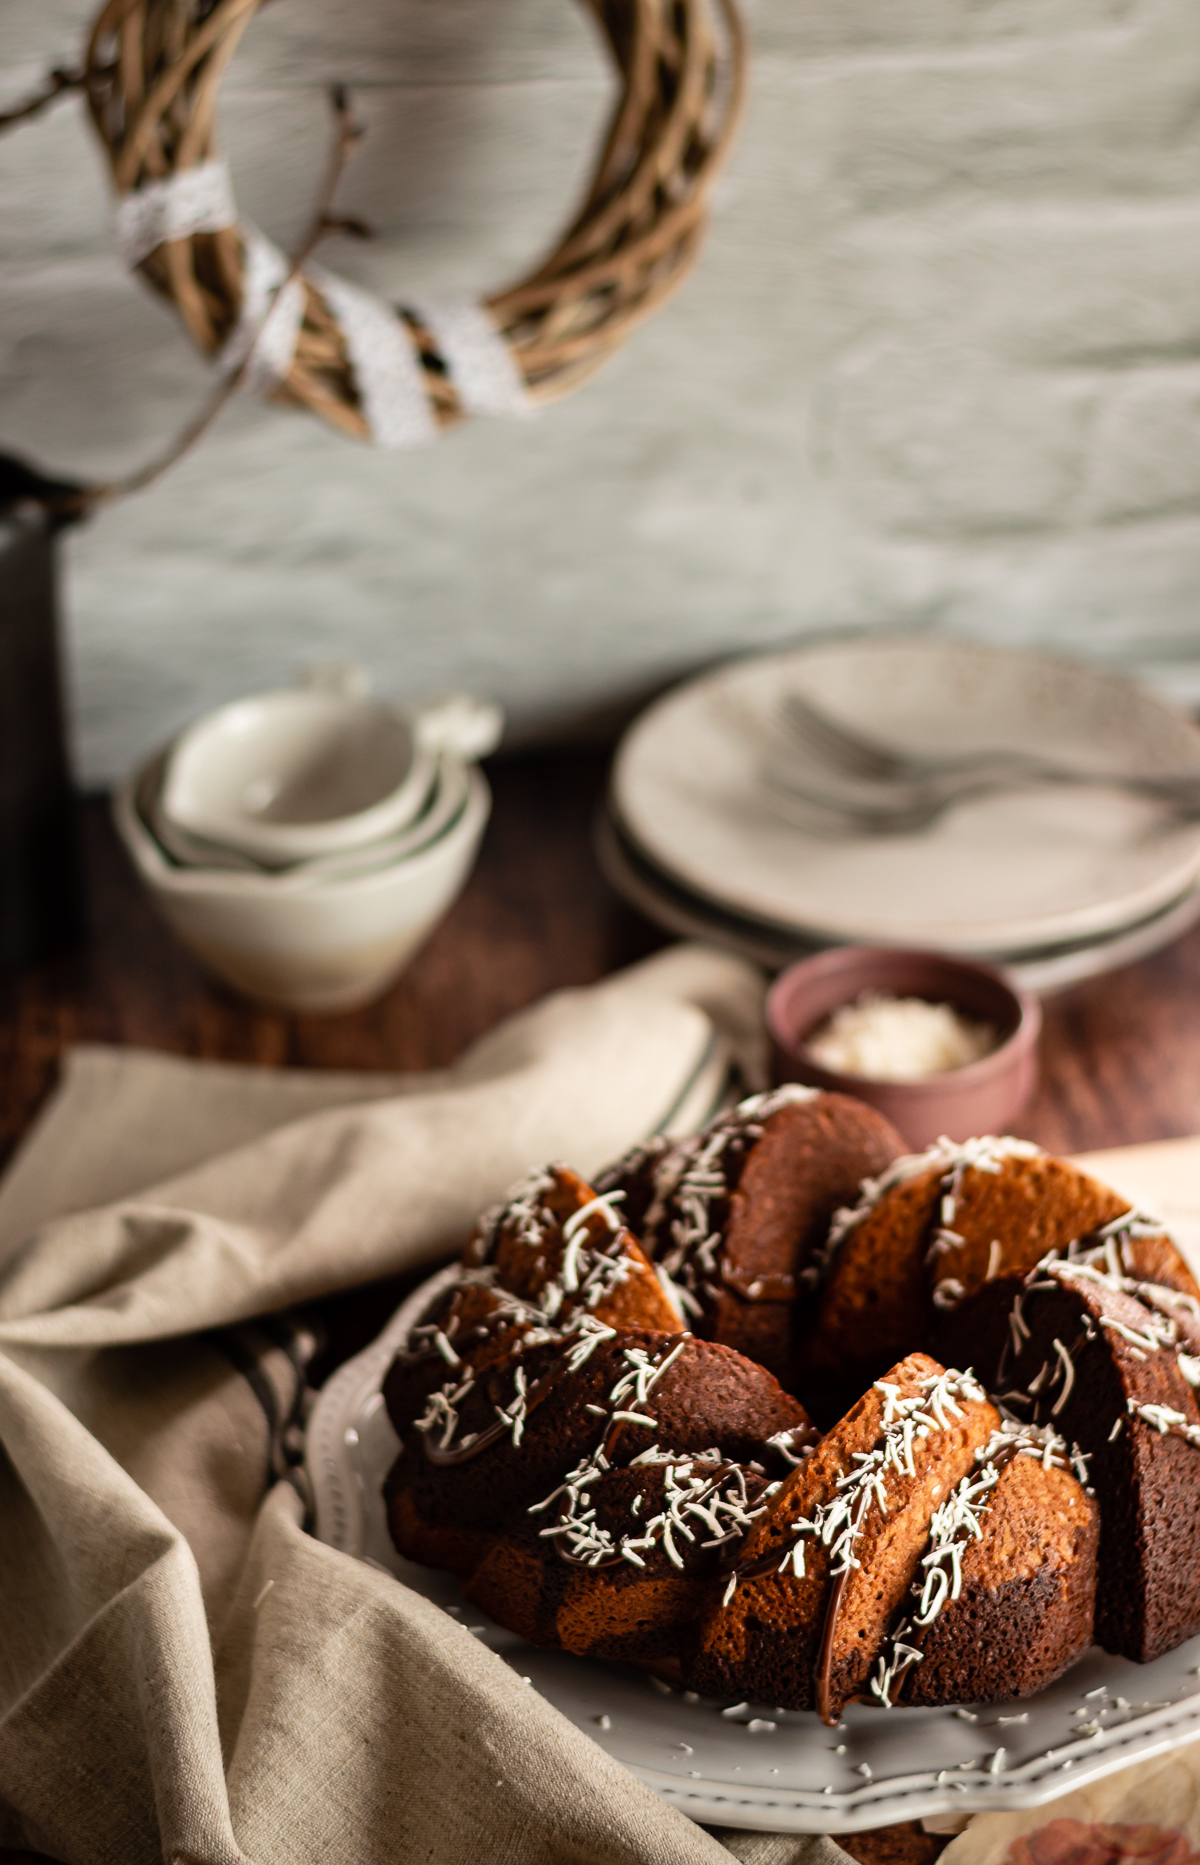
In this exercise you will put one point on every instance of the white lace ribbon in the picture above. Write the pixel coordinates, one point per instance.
(271, 351)
(383, 356)
(482, 368)
(194, 200)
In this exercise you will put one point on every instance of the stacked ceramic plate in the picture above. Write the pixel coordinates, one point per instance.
(303, 843)
(917, 791)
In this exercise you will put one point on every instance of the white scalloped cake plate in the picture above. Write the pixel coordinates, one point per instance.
(1045, 970)
(998, 873)
(751, 1765)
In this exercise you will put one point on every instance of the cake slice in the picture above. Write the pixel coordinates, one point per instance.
(586, 1485)
(561, 1245)
(735, 1214)
(819, 1580)
(1004, 1596)
(1075, 1346)
(930, 1231)
(553, 1259)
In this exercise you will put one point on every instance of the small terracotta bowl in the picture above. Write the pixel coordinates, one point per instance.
(983, 1097)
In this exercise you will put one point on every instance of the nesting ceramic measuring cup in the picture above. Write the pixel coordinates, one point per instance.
(314, 771)
(304, 943)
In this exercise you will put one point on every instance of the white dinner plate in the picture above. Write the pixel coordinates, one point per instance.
(997, 873)
(750, 1765)
(1042, 969)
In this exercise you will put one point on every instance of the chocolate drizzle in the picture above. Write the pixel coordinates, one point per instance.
(480, 1441)
(823, 1679)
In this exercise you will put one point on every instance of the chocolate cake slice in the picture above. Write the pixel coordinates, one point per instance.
(1098, 1356)
(735, 1215)
(933, 1228)
(555, 1256)
(819, 1580)
(1004, 1598)
(588, 1485)
(561, 1244)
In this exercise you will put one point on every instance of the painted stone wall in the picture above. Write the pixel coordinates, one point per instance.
(940, 363)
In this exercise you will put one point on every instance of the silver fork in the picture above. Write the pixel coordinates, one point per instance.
(886, 784)
(855, 754)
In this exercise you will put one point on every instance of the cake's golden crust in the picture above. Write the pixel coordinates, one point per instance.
(909, 1259)
(1030, 1208)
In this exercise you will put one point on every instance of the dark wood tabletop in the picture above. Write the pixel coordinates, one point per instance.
(1120, 1055)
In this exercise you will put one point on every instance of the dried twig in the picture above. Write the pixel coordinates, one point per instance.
(55, 84)
(323, 221)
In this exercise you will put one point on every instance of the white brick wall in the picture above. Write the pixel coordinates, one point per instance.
(941, 361)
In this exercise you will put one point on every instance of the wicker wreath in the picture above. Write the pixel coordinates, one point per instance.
(152, 74)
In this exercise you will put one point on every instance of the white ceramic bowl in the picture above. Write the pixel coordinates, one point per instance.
(299, 942)
(442, 806)
(311, 771)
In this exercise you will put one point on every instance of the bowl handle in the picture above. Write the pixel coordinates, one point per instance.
(465, 727)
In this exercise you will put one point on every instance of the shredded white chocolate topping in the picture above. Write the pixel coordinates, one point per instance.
(908, 1422)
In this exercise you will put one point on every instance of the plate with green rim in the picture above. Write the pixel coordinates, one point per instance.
(1029, 865)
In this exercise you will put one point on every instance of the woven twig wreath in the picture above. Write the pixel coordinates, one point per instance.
(152, 75)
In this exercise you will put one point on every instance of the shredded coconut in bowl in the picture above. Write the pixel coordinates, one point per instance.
(898, 1039)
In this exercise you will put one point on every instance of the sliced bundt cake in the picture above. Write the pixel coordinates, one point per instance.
(936, 1226)
(622, 1489)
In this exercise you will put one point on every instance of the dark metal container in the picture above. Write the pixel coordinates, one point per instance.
(40, 890)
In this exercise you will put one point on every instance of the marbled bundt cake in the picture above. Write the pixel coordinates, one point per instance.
(604, 1481)
(925, 1551)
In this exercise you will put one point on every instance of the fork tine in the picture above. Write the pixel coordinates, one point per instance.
(836, 744)
(820, 814)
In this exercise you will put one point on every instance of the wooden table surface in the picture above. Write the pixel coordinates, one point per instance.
(1120, 1056)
